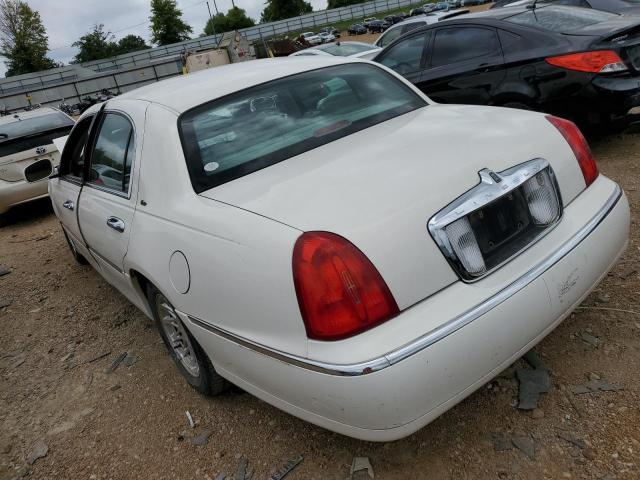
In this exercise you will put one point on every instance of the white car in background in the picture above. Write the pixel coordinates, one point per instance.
(341, 49)
(412, 23)
(285, 228)
(27, 153)
(312, 38)
(326, 37)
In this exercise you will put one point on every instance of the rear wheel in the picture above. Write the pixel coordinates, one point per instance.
(77, 256)
(192, 362)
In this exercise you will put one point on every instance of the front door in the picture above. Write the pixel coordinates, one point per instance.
(64, 189)
(108, 199)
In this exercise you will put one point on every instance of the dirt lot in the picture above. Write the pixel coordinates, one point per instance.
(65, 326)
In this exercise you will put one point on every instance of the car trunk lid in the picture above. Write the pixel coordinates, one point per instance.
(379, 187)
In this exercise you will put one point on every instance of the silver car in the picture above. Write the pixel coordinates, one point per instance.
(28, 154)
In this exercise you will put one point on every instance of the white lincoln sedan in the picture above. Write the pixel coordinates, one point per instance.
(321, 234)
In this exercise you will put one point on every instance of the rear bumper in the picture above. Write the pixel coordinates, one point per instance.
(395, 394)
(613, 95)
(15, 193)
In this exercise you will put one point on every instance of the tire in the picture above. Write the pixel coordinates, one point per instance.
(192, 362)
(77, 256)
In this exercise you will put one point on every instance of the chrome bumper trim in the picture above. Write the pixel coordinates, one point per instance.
(435, 335)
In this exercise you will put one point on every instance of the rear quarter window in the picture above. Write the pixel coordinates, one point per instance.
(244, 132)
(561, 19)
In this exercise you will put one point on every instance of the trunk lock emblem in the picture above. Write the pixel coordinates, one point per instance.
(41, 150)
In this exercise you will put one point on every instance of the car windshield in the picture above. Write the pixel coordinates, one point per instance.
(561, 19)
(346, 49)
(244, 132)
(34, 125)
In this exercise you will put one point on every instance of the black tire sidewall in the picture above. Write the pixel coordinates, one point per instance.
(207, 382)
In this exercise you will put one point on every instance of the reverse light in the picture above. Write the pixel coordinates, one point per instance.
(541, 199)
(340, 292)
(579, 145)
(601, 61)
(464, 244)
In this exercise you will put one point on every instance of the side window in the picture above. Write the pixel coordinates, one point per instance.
(412, 26)
(406, 56)
(113, 154)
(389, 37)
(73, 154)
(457, 44)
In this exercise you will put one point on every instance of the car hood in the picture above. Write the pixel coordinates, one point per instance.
(379, 187)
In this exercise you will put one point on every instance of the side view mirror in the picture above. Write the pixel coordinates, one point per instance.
(55, 173)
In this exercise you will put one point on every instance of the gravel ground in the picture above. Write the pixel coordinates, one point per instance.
(65, 326)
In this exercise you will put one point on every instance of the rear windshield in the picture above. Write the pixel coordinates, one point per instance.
(346, 49)
(33, 125)
(238, 134)
(561, 19)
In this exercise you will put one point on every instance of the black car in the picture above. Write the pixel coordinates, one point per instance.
(625, 7)
(393, 19)
(377, 26)
(357, 29)
(573, 62)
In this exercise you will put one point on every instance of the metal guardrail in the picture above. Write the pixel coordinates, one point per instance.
(51, 86)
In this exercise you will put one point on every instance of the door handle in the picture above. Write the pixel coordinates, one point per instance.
(116, 223)
(68, 204)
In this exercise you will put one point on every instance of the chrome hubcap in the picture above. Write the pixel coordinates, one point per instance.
(177, 336)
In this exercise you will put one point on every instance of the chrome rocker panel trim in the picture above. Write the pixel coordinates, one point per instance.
(435, 335)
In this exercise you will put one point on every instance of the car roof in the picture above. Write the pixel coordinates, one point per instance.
(17, 116)
(184, 92)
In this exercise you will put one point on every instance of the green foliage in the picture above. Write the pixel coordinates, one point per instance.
(166, 23)
(342, 3)
(95, 45)
(99, 44)
(235, 19)
(131, 43)
(23, 39)
(281, 9)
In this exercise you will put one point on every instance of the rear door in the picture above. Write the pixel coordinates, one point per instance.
(107, 201)
(465, 65)
(64, 189)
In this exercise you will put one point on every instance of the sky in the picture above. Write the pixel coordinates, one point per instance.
(68, 20)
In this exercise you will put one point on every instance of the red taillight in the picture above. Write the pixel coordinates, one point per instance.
(602, 61)
(579, 145)
(339, 291)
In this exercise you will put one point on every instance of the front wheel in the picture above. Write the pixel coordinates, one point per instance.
(192, 362)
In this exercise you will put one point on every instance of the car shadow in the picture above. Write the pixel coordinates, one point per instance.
(27, 213)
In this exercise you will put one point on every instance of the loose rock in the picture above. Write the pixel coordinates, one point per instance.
(525, 444)
(594, 386)
(590, 339)
(361, 469)
(201, 439)
(532, 384)
(39, 450)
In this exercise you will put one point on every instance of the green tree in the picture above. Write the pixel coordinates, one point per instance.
(281, 9)
(23, 39)
(131, 43)
(342, 3)
(235, 19)
(166, 23)
(95, 45)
